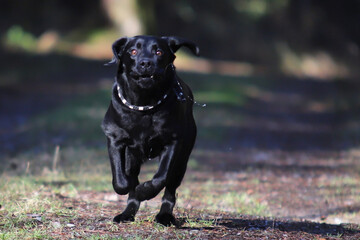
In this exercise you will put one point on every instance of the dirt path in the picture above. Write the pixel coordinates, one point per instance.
(192, 224)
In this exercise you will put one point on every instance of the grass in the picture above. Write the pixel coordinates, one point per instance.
(200, 223)
(34, 208)
(26, 206)
(213, 196)
(342, 189)
(243, 203)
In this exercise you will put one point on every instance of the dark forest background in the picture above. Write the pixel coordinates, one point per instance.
(261, 32)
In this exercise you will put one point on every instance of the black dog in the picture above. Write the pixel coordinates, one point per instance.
(149, 117)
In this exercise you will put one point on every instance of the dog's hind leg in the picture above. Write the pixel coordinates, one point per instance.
(150, 189)
(174, 178)
(165, 216)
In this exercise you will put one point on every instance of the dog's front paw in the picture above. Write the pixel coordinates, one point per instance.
(145, 191)
(166, 219)
(123, 218)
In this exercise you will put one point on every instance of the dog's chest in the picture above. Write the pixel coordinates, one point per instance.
(146, 134)
(143, 128)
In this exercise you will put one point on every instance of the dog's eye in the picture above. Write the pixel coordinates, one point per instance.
(134, 52)
(159, 53)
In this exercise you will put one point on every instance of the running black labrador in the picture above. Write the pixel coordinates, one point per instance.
(149, 117)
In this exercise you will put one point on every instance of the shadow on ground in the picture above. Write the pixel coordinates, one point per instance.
(249, 225)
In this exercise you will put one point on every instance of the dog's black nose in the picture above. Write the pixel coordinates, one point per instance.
(146, 63)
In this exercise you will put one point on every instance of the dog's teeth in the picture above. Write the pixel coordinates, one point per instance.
(152, 76)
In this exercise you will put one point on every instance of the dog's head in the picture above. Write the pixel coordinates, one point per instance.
(147, 60)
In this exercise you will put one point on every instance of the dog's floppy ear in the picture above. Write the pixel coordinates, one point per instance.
(118, 48)
(175, 43)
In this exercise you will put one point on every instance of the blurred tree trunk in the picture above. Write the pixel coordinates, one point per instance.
(147, 14)
(125, 16)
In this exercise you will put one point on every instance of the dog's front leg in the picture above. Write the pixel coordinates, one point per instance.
(132, 207)
(132, 170)
(150, 189)
(120, 182)
(125, 179)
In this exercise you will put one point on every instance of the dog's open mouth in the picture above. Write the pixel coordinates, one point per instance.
(144, 77)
